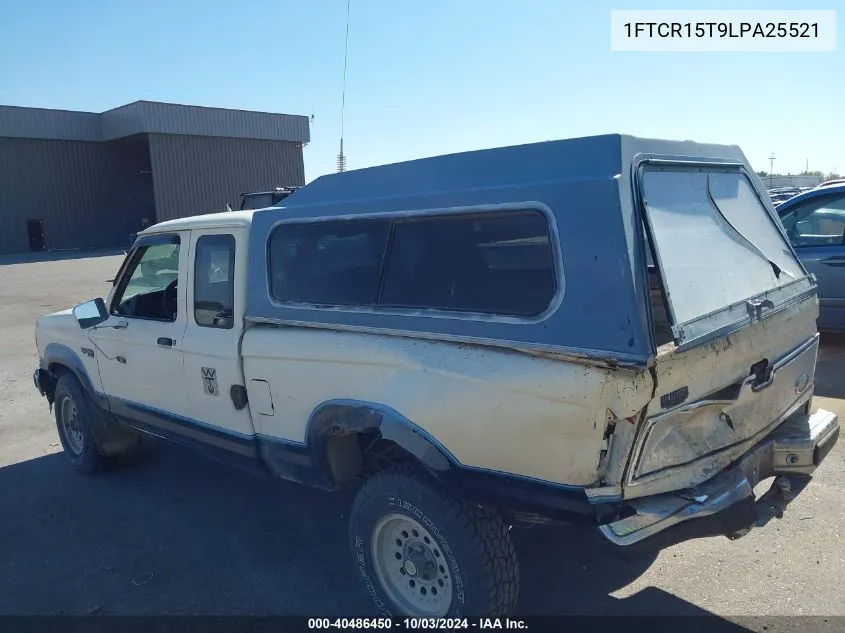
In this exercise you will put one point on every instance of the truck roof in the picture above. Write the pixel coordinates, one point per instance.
(206, 221)
(575, 160)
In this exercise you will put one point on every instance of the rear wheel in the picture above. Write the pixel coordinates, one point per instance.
(422, 552)
(73, 422)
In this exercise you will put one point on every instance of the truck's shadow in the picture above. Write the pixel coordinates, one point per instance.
(177, 534)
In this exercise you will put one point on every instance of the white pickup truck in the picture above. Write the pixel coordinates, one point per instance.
(607, 331)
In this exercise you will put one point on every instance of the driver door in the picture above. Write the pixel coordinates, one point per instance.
(140, 345)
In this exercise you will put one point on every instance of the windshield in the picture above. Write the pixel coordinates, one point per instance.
(159, 266)
(716, 243)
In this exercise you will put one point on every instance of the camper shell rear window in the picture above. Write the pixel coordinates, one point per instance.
(716, 245)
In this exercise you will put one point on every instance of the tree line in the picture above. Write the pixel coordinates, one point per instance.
(826, 176)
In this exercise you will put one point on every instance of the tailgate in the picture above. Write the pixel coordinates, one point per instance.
(743, 317)
(737, 390)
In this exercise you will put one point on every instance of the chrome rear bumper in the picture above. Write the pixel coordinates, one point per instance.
(790, 453)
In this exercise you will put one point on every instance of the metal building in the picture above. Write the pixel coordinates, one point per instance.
(77, 180)
(791, 181)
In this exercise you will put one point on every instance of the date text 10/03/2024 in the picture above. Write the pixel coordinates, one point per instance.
(411, 624)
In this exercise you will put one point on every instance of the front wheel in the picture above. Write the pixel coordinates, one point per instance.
(73, 422)
(423, 552)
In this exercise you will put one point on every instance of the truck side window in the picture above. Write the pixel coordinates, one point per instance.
(500, 263)
(214, 281)
(148, 288)
(496, 264)
(328, 263)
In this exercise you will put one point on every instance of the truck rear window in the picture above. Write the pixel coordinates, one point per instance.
(500, 263)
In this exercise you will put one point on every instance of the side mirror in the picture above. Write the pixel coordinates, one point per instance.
(90, 313)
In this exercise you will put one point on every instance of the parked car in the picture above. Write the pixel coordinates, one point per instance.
(832, 183)
(815, 224)
(480, 339)
(779, 198)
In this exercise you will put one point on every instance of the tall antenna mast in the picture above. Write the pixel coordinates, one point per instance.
(341, 157)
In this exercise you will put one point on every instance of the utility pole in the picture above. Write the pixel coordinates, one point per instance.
(771, 168)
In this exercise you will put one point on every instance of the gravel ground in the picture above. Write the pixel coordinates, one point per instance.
(172, 533)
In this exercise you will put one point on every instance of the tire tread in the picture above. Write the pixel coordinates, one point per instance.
(482, 527)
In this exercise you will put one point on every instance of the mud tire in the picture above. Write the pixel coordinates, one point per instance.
(475, 542)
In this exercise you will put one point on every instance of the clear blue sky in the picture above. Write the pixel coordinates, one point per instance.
(427, 77)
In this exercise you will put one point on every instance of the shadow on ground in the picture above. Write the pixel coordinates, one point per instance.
(57, 256)
(173, 533)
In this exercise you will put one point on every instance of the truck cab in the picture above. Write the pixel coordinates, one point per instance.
(174, 311)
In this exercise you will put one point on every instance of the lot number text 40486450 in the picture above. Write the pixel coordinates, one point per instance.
(413, 624)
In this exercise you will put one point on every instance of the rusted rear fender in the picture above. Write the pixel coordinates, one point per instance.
(337, 417)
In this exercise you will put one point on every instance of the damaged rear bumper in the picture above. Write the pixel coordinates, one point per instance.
(725, 504)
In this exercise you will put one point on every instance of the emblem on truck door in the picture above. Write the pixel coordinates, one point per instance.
(209, 380)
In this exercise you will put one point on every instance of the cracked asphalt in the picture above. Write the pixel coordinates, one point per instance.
(171, 533)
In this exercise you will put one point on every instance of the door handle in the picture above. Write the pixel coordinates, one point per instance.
(166, 342)
(833, 261)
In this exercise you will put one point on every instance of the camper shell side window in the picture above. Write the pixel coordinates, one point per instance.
(498, 263)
